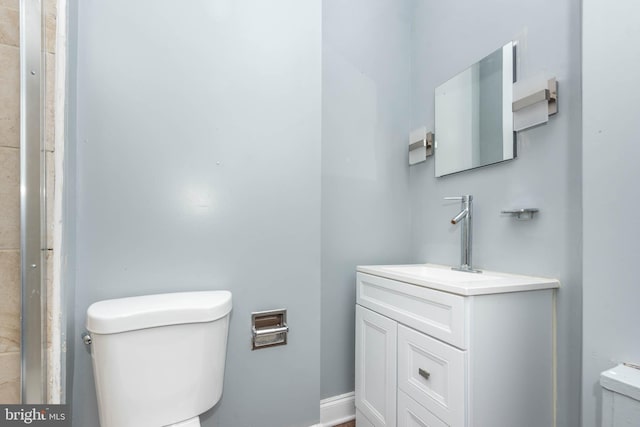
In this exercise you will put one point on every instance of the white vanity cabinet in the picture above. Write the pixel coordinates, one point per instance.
(439, 348)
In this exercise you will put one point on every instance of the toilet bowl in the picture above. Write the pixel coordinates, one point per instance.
(620, 397)
(158, 360)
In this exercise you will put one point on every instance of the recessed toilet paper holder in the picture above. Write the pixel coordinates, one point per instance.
(269, 328)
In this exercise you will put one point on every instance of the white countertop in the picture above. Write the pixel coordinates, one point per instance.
(442, 278)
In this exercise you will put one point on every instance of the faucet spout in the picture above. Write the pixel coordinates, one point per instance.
(460, 216)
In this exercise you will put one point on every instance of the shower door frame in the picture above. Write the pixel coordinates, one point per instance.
(32, 204)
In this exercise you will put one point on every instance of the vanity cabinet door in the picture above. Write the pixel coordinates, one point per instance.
(376, 341)
(361, 420)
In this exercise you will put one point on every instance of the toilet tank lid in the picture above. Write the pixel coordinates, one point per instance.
(148, 311)
(623, 380)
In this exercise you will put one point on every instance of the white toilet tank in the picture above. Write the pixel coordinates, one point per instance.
(620, 397)
(158, 359)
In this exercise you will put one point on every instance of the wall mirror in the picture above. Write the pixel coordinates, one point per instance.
(473, 117)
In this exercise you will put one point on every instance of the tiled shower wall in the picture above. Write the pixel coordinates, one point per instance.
(9, 202)
(10, 182)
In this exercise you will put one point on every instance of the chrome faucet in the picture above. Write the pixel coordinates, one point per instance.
(465, 216)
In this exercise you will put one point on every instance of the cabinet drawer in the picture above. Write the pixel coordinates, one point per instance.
(411, 414)
(436, 313)
(433, 374)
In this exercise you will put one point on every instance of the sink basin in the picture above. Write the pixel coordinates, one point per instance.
(443, 278)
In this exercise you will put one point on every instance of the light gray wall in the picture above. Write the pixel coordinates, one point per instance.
(157, 109)
(611, 66)
(546, 175)
(198, 167)
(365, 127)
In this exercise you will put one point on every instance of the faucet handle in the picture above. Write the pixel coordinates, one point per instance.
(465, 198)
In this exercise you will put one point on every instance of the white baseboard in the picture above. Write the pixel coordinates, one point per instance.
(337, 410)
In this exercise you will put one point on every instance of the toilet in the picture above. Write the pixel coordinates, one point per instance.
(620, 397)
(158, 360)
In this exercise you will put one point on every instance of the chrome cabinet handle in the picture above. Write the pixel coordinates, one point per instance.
(424, 374)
